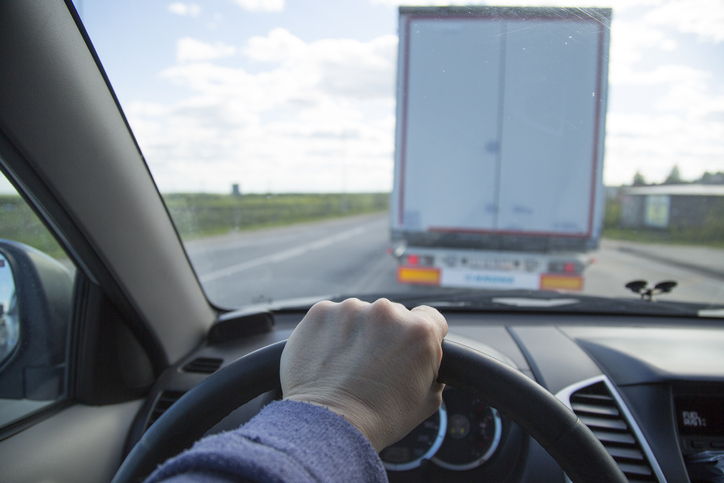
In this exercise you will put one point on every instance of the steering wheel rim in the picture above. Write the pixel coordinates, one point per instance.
(552, 424)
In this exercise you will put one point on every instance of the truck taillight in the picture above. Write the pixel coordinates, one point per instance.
(415, 260)
(565, 267)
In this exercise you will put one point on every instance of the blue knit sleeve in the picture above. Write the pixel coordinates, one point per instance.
(287, 441)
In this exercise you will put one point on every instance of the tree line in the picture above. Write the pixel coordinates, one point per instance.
(674, 177)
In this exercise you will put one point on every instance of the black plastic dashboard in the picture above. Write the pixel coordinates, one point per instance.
(651, 389)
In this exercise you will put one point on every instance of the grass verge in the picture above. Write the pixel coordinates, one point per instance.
(707, 232)
(199, 215)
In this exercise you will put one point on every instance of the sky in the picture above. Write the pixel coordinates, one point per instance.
(299, 95)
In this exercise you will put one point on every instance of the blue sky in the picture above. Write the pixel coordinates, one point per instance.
(298, 95)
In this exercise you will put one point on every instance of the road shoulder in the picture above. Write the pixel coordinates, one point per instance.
(705, 260)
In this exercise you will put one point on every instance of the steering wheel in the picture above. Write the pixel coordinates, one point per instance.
(544, 417)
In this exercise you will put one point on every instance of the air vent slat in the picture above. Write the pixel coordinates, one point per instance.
(592, 398)
(164, 401)
(600, 423)
(606, 437)
(628, 453)
(641, 470)
(203, 365)
(595, 409)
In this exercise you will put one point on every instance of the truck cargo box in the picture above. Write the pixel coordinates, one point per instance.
(500, 128)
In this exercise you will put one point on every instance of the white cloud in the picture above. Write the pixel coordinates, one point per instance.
(684, 128)
(261, 5)
(188, 49)
(653, 144)
(185, 9)
(662, 74)
(336, 66)
(705, 18)
(318, 117)
(668, 114)
(631, 39)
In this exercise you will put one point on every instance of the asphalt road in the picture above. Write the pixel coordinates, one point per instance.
(349, 256)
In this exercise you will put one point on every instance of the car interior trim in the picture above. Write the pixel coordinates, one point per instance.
(34, 417)
(59, 113)
(49, 211)
(25, 456)
(556, 360)
(564, 395)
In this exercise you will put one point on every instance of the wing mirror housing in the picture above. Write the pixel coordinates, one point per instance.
(36, 298)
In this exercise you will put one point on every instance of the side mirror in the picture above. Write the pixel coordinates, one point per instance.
(36, 294)
(9, 326)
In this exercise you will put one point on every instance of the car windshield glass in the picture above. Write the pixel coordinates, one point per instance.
(309, 148)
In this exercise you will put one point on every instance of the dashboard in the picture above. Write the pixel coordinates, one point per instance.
(650, 388)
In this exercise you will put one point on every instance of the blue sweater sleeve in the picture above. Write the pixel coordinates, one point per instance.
(287, 441)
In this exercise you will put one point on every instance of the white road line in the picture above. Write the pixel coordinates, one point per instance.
(283, 255)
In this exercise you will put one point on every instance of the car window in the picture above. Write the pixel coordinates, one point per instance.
(36, 280)
(312, 149)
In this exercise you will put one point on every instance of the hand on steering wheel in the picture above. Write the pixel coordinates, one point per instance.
(537, 411)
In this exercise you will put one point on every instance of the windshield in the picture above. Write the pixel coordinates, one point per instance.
(311, 148)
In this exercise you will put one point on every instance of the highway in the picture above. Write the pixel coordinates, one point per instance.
(349, 256)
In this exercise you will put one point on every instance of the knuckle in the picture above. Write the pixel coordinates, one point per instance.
(421, 332)
(321, 308)
(432, 316)
(351, 306)
(382, 303)
(323, 305)
(352, 303)
(382, 309)
(318, 315)
(437, 399)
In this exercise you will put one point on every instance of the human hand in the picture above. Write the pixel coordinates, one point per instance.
(375, 364)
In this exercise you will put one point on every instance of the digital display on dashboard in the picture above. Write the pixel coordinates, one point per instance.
(700, 415)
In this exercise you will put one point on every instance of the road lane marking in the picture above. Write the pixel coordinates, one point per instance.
(283, 255)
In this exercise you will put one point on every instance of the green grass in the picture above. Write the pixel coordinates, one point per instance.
(645, 236)
(710, 234)
(199, 215)
(19, 223)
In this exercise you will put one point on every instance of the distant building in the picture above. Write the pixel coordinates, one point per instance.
(235, 191)
(669, 206)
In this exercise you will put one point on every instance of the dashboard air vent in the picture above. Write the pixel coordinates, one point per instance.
(164, 401)
(597, 408)
(203, 365)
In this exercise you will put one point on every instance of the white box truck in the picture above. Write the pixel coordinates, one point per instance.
(499, 145)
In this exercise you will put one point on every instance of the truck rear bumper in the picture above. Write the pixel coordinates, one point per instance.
(490, 269)
(487, 279)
